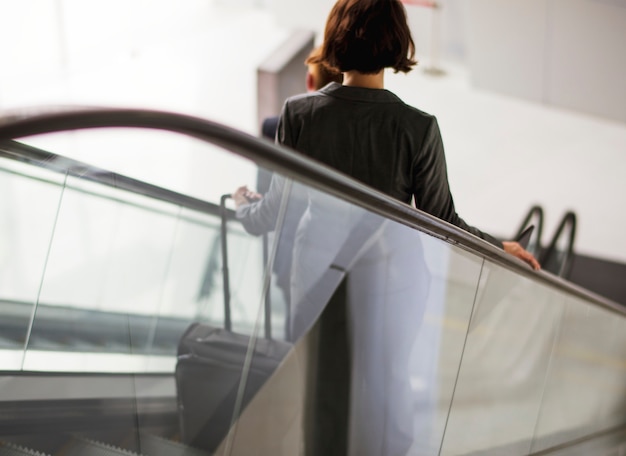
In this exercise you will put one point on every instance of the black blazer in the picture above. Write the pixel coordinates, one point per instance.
(373, 136)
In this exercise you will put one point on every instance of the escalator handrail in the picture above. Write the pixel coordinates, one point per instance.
(537, 211)
(283, 161)
(565, 267)
(30, 155)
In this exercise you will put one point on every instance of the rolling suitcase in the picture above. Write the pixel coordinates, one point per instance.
(209, 369)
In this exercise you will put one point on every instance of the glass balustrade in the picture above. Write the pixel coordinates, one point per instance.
(385, 338)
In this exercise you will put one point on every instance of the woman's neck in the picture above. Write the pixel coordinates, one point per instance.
(368, 81)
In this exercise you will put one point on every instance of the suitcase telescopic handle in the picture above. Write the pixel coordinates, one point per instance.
(225, 275)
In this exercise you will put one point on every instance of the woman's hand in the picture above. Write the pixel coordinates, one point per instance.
(515, 249)
(243, 195)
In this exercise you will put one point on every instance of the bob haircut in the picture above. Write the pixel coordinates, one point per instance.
(368, 36)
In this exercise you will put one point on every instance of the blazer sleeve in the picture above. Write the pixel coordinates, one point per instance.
(431, 187)
(260, 217)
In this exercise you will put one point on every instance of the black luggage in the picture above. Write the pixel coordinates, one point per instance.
(209, 370)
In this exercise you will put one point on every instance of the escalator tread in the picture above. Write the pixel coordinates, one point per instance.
(78, 446)
(9, 449)
(152, 445)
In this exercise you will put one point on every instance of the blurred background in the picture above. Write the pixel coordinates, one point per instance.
(530, 95)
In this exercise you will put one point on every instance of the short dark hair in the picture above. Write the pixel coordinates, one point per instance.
(368, 36)
(322, 74)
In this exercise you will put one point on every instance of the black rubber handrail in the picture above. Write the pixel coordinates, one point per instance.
(556, 261)
(43, 159)
(283, 161)
(225, 272)
(535, 214)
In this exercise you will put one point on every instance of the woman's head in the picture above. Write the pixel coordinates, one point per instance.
(367, 36)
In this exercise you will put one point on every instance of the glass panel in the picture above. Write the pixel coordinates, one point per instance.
(503, 371)
(586, 376)
(369, 350)
(126, 276)
(29, 204)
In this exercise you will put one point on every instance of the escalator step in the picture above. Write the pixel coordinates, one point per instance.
(78, 446)
(152, 445)
(8, 449)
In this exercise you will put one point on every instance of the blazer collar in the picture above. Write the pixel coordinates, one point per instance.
(334, 89)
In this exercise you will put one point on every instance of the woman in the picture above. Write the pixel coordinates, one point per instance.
(369, 134)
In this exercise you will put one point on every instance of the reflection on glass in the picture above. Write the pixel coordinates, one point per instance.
(385, 298)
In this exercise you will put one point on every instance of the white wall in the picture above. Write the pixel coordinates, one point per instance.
(566, 53)
(506, 41)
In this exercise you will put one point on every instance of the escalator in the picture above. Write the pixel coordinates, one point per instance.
(533, 225)
(558, 256)
(444, 344)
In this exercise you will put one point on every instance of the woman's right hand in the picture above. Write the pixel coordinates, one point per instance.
(243, 195)
(515, 249)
